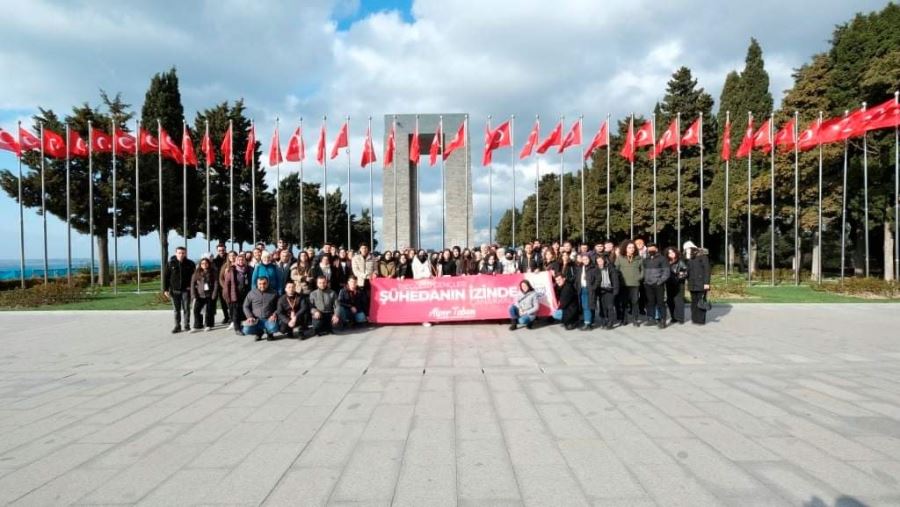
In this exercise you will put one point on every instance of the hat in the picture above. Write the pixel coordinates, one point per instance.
(689, 244)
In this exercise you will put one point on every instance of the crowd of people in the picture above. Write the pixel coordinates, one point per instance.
(316, 292)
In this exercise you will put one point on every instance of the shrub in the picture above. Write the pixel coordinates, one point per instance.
(53, 293)
(861, 287)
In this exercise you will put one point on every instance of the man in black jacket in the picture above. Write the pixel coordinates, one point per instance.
(567, 313)
(529, 262)
(177, 286)
(585, 281)
(697, 280)
(293, 311)
(656, 272)
(219, 261)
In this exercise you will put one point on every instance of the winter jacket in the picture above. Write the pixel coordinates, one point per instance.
(387, 269)
(421, 269)
(614, 280)
(236, 284)
(447, 268)
(568, 303)
(656, 270)
(404, 270)
(260, 305)
(179, 274)
(632, 271)
(205, 284)
(491, 269)
(296, 304)
(269, 271)
(323, 301)
(363, 268)
(358, 298)
(590, 279)
(332, 274)
(698, 272)
(528, 303)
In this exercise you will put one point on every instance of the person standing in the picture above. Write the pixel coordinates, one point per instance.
(630, 265)
(656, 272)
(678, 272)
(363, 264)
(421, 266)
(404, 268)
(259, 308)
(204, 292)
(585, 283)
(525, 309)
(235, 287)
(219, 262)
(293, 311)
(323, 303)
(266, 268)
(387, 265)
(177, 287)
(283, 267)
(606, 289)
(697, 281)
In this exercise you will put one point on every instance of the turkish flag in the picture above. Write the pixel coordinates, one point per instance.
(726, 141)
(785, 137)
(838, 129)
(414, 145)
(500, 136)
(207, 148)
(628, 148)
(125, 143)
(341, 141)
(168, 147)
(296, 149)
(320, 147)
(532, 140)
(668, 139)
(488, 152)
(227, 153)
(691, 136)
(187, 148)
(573, 137)
(809, 138)
(8, 142)
(148, 143)
(368, 152)
(747, 143)
(884, 115)
(54, 145)
(390, 146)
(644, 136)
(601, 138)
(275, 149)
(101, 142)
(458, 141)
(28, 141)
(250, 149)
(762, 138)
(435, 146)
(553, 139)
(77, 146)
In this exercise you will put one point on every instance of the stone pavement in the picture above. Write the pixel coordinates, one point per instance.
(766, 405)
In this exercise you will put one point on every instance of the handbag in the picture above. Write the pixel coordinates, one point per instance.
(704, 304)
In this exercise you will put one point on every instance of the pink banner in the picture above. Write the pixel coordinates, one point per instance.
(458, 298)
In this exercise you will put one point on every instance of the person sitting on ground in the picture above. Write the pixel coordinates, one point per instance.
(525, 309)
(293, 311)
(259, 308)
(567, 313)
(354, 304)
(324, 305)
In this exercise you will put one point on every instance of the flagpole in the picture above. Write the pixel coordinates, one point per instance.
(22, 219)
(631, 151)
(512, 151)
(653, 139)
(277, 187)
(608, 149)
(896, 194)
(90, 197)
(302, 192)
(702, 209)
(537, 186)
(749, 203)
(253, 178)
(394, 170)
(727, 163)
(562, 170)
(324, 185)
(443, 193)
(137, 199)
(162, 253)
(490, 191)
(796, 134)
(772, 195)
(371, 195)
(677, 178)
(183, 183)
(44, 206)
(68, 215)
(349, 203)
(112, 123)
(844, 208)
(583, 167)
(208, 229)
(466, 170)
(819, 276)
(865, 194)
(231, 181)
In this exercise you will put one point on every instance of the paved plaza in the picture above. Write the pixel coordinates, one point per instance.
(766, 405)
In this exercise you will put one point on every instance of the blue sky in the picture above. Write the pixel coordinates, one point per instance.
(290, 59)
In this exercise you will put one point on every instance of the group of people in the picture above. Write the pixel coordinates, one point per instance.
(262, 292)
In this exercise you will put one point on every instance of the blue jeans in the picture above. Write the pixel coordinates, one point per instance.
(262, 325)
(586, 307)
(557, 314)
(521, 319)
(346, 316)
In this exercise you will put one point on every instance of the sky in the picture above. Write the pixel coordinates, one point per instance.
(289, 59)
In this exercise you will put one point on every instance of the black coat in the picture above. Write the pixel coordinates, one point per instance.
(698, 272)
(300, 305)
(656, 270)
(591, 280)
(404, 270)
(528, 264)
(334, 282)
(568, 303)
(179, 274)
(614, 279)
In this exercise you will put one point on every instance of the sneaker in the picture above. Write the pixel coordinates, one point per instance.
(176, 329)
(195, 330)
(207, 329)
(426, 324)
(259, 336)
(586, 327)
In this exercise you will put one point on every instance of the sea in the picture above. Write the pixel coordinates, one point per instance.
(56, 268)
